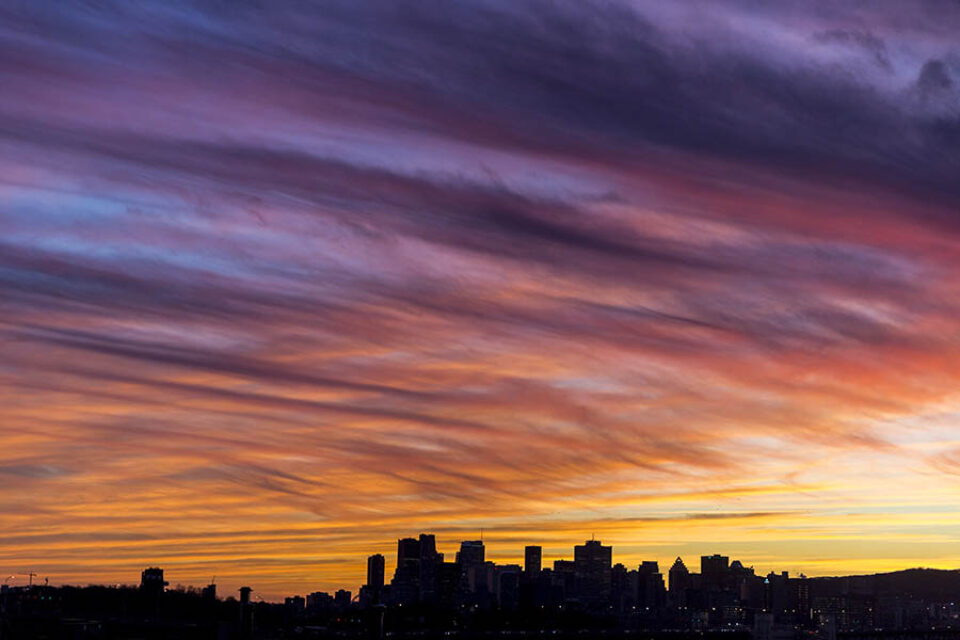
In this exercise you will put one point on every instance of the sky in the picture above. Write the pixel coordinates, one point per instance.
(283, 282)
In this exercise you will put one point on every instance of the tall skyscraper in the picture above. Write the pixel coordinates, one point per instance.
(622, 591)
(429, 567)
(428, 545)
(471, 552)
(679, 577)
(532, 560)
(475, 581)
(713, 571)
(592, 565)
(650, 587)
(375, 572)
(246, 614)
(565, 576)
(507, 585)
(408, 549)
(406, 579)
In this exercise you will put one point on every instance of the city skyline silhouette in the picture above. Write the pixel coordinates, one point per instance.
(389, 567)
(438, 594)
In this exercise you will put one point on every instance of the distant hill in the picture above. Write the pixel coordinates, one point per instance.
(929, 584)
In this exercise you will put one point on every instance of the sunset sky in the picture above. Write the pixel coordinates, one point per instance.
(283, 282)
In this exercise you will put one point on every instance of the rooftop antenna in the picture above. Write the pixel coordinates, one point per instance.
(32, 576)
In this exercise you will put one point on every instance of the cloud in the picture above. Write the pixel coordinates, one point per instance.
(279, 287)
(32, 471)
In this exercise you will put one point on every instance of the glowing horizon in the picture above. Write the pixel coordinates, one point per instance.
(280, 287)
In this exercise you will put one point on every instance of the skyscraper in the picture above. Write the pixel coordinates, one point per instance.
(428, 545)
(246, 614)
(407, 549)
(713, 571)
(375, 572)
(474, 579)
(471, 552)
(406, 579)
(592, 565)
(429, 567)
(650, 588)
(679, 577)
(532, 560)
(565, 578)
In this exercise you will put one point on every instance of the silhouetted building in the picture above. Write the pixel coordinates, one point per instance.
(713, 571)
(295, 604)
(679, 582)
(448, 583)
(376, 565)
(592, 564)
(481, 584)
(408, 549)
(372, 592)
(475, 579)
(209, 593)
(151, 580)
(776, 594)
(429, 566)
(622, 592)
(800, 593)
(405, 587)
(507, 585)
(651, 592)
(319, 601)
(471, 552)
(532, 559)
(246, 614)
(564, 584)
(428, 545)
(679, 576)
